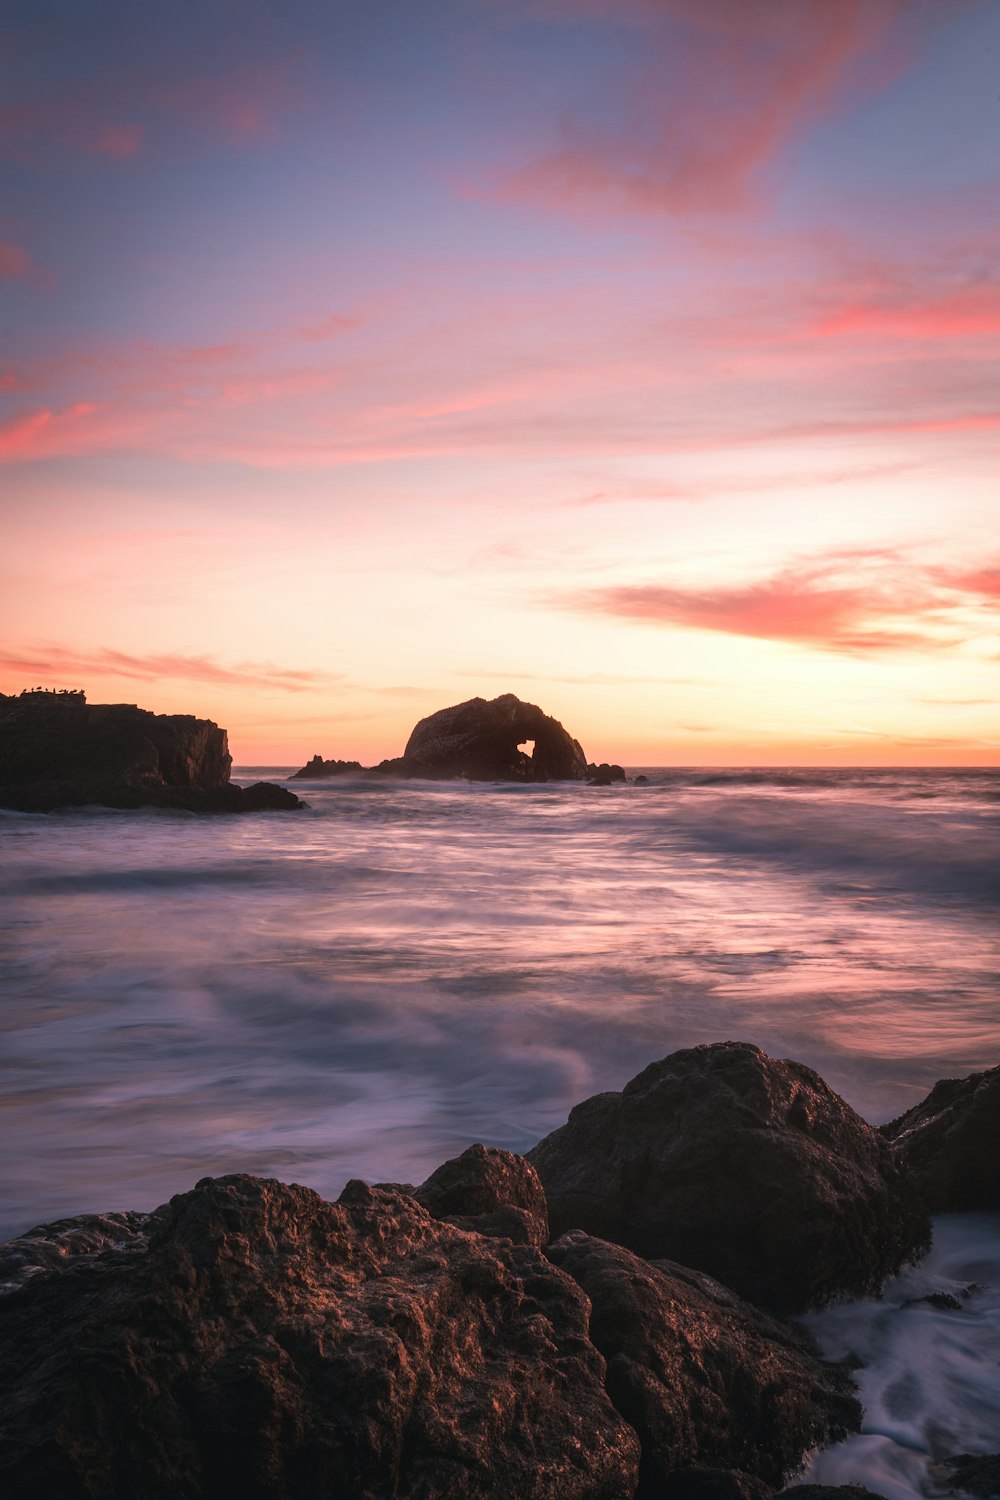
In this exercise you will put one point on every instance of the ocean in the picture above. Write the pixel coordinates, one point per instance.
(364, 988)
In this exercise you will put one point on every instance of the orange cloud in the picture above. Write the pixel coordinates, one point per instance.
(971, 311)
(810, 605)
(63, 662)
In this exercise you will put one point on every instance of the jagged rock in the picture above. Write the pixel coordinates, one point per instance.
(831, 1492)
(951, 1143)
(714, 1484)
(704, 1378)
(479, 740)
(270, 1344)
(751, 1169)
(976, 1474)
(490, 1191)
(318, 768)
(60, 751)
(604, 774)
(55, 1246)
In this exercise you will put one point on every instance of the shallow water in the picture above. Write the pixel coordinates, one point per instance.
(365, 987)
(930, 1381)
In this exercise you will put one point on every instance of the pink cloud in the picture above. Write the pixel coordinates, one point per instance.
(330, 327)
(911, 312)
(715, 104)
(14, 261)
(827, 605)
(121, 141)
(64, 662)
(242, 105)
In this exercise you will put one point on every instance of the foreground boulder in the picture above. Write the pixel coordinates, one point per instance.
(751, 1169)
(270, 1344)
(705, 1379)
(56, 750)
(479, 740)
(951, 1143)
(490, 1191)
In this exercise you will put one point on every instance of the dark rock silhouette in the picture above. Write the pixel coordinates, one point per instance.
(479, 740)
(59, 751)
(740, 1165)
(831, 1492)
(491, 1191)
(951, 1143)
(704, 1378)
(318, 768)
(604, 774)
(270, 1344)
(975, 1473)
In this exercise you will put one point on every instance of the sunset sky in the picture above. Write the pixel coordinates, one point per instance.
(640, 357)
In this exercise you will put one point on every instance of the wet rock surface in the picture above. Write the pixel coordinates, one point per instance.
(270, 1344)
(490, 1191)
(951, 1143)
(480, 740)
(740, 1165)
(708, 1382)
(60, 751)
(56, 1246)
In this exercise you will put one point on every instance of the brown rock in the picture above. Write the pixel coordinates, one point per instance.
(704, 1378)
(751, 1169)
(479, 740)
(60, 751)
(490, 1191)
(951, 1143)
(269, 1344)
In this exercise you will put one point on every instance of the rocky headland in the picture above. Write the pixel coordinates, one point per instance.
(57, 750)
(482, 740)
(480, 1336)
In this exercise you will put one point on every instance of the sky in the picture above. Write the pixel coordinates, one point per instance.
(639, 357)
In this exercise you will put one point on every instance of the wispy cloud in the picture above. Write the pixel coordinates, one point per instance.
(64, 662)
(856, 602)
(722, 91)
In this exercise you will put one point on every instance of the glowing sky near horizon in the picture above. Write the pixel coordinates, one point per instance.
(640, 357)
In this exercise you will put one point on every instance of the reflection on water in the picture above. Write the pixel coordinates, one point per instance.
(366, 987)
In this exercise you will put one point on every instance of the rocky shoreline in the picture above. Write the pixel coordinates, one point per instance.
(57, 750)
(448, 1340)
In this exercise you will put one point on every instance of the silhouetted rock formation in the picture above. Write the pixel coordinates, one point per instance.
(951, 1143)
(270, 1344)
(975, 1473)
(704, 1378)
(604, 774)
(318, 768)
(59, 751)
(743, 1166)
(479, 740)
(491, 1191)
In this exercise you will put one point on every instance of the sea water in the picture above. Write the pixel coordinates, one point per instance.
(365, 987)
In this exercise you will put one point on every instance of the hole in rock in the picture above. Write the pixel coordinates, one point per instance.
(528, 746)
